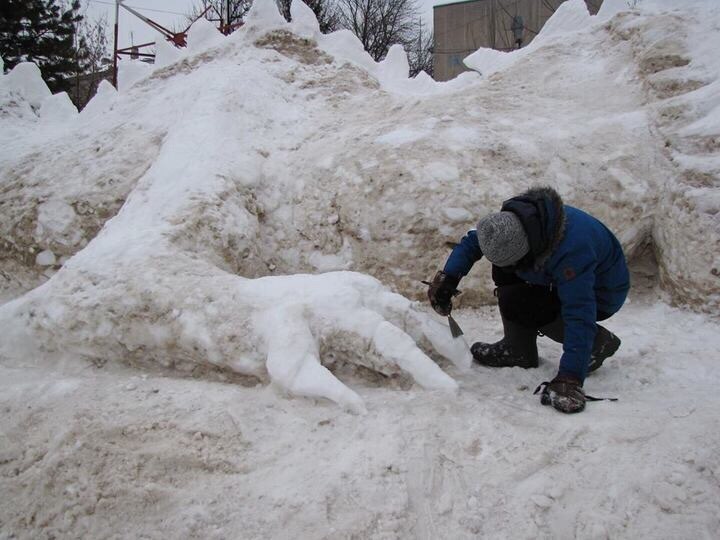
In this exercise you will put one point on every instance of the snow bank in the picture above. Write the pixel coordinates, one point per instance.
(203, 35)
(187, 224)
(58, 108)
(236, 177)
(274, 326)
(165, 54)
(116, 452)
(392, 73)
(105, 96)
(571, 16)
(26, 80)
(132, 71)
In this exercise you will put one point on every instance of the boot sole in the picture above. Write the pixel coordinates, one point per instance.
(494, 365)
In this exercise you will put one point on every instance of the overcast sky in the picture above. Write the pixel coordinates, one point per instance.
(168, 13)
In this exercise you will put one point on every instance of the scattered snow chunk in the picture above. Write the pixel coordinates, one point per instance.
(439, 171)
(56, 222)
(45, 258)
(542, 501)
(457, 215)
(327, 263)
(460, 136)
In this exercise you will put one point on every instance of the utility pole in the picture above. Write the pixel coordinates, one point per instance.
(115, 46)
(229, 17)
(492, 23)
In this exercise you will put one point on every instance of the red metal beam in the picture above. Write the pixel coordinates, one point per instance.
(150, 22)
(196, 19)
(179, 39)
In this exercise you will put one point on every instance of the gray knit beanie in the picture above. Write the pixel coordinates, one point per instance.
(502, 238)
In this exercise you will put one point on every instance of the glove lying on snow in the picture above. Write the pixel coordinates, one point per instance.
(440, 292)
(566, 394)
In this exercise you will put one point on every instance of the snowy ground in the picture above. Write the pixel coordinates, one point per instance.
(177, 259)
(113, 452)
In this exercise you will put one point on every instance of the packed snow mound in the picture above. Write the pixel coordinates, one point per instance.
(26, 80)
(174, 216)
(571, 16)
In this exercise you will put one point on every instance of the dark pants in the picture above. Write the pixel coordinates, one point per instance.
(529, 305)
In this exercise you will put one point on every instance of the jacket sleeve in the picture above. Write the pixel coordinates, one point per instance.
(575, 278)
(463, 256)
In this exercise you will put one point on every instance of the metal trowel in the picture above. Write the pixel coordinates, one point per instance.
(455, 329)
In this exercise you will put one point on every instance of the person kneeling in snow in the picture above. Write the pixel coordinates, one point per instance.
(557, 270)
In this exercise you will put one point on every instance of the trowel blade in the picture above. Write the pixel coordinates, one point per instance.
(455, 329)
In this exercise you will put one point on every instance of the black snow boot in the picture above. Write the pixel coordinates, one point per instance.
(605, 345)
(564, 393)
(517, 349)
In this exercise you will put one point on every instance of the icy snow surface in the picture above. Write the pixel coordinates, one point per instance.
(261, 209)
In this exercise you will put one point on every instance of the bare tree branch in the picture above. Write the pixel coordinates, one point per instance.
(378, 24)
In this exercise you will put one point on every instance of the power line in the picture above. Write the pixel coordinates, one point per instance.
(139, 8)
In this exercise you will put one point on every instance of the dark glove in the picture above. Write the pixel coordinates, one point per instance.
(564, 393)
(441, 291)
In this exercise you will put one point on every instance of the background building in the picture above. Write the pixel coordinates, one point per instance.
(463, 27)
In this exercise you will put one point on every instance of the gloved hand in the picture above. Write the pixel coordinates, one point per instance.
(440, 292)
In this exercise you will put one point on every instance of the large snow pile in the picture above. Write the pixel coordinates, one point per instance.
(259, 155)
(258, 203)
(156, 212)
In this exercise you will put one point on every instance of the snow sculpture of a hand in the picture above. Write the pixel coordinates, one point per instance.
(134, 312)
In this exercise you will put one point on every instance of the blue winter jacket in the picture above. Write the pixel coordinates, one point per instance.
(571, 251)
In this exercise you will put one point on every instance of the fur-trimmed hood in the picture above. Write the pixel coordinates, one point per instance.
(542, 213)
